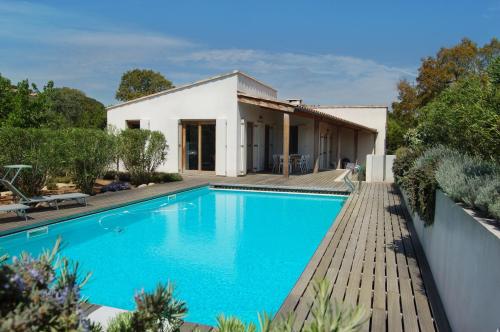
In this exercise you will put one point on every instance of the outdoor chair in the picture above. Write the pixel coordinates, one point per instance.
(51, 199)
(19, 209)
(280, 168)
(276, 163)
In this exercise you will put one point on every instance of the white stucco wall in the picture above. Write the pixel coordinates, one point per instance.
(213, 100)
(255, 88)
(369, 116)
(463, 254)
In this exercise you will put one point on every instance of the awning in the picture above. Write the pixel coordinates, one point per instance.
(300, 110)
(276, 105)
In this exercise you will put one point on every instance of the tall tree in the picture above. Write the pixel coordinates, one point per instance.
(7, 92)
(32, 107)
(434, 76)
(76, 109)
(141, 82)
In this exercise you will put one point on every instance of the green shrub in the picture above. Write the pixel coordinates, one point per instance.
(405, 158)
(89, 156)
(43, 149)
(113, 175)
(470, 180)
(142, 151)
(158, 311)
(488, 198)
(41, 294)
(325, 317)
(420, 182)
(121, 323)
(161, 177)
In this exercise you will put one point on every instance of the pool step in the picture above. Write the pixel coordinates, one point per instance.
(37, 232)
(286, 189)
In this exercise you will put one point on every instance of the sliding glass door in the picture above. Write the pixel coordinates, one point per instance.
(198, 146)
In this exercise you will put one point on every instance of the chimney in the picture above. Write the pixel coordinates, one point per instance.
(295, 102)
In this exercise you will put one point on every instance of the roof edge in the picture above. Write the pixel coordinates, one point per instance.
(189, 85)
(348, 106)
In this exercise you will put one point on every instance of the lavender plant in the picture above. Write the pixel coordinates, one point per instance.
(42, 294)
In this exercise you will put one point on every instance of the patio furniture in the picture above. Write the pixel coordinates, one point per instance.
(23, 199)
(280, 168)
(276, 163)
(19, 209)
(303, 164)
(308, 162)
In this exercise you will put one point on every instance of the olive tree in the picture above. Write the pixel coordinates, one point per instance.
(141, 152)
(91, 151)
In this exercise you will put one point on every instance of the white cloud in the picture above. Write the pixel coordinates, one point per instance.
(317, 78)
(93, 60)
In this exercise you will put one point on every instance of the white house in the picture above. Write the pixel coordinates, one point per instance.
(232, 124)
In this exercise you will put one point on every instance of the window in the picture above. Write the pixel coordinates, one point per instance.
(294, 139)
(133, 124)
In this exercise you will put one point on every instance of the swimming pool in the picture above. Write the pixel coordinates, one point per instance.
(227, 251)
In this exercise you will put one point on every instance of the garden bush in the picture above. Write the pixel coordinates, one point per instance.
(43, 149)
(325, 317)
(81, 153)
(41, 294)
(405, 158)
(420, 184)
(142, 151)
(161, 177)
(156, 311)
(90, 153)
(472, 181)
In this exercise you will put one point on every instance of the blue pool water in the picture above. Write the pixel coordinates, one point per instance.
(232, 252)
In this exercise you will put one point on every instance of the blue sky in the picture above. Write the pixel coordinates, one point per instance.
(328, 52)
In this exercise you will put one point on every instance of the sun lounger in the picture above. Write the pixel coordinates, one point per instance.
(50, 199)
(19, 209)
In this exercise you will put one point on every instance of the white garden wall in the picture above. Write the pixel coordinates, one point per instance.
(464, 256)
(379, 168)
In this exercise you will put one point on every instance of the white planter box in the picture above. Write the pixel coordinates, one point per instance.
(463, 252)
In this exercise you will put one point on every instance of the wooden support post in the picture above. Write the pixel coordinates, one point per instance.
(286, 143)
(339, 160)
(316, 145)
(199, 147)
(356, 136)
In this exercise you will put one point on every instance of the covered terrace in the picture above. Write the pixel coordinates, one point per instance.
(270, 127)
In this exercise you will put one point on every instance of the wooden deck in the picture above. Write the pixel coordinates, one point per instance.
(370, 255)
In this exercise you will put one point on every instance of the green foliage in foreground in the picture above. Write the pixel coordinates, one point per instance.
(157, 311)
(41, 294)
(325, 317)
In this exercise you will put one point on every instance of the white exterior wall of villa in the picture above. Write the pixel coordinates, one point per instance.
(255, 88)
(212, 100)
(369, 116)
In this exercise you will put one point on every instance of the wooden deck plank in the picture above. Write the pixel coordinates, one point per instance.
(393, 295)
(337, 249)
(355, 276)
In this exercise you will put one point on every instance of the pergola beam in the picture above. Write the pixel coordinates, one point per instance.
(286, 144)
